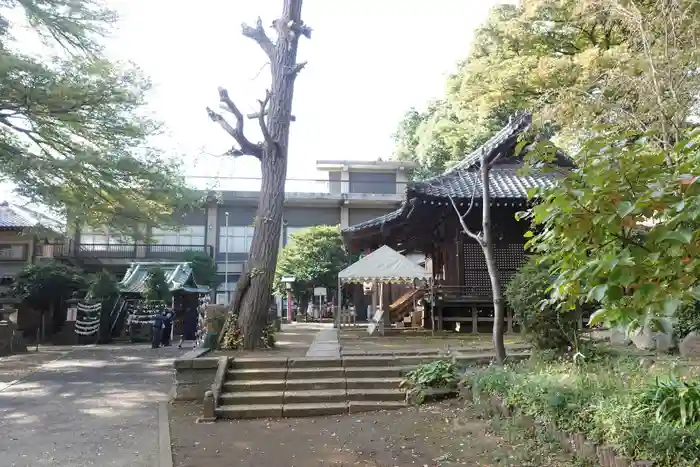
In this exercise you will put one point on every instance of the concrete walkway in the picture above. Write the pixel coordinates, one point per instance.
(325, 344)
(95, 406)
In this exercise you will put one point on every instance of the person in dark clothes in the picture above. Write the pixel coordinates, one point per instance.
(167, 327)
(157, 333)
(189, 332)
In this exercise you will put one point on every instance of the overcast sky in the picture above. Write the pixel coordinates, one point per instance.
(369, 62)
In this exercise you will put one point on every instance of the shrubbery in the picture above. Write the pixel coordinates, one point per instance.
(544, 327)
(687, 320)
(646, 413)
(440, 374)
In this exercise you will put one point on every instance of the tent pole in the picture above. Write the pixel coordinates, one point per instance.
(336, 321)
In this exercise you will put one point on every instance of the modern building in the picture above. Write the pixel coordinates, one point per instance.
(348, 193)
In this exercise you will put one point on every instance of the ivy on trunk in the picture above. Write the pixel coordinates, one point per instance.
(253, 294)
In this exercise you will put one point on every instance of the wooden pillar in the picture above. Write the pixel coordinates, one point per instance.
(475, 320)
(509, 317)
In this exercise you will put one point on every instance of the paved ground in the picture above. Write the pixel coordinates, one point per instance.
(92, 407)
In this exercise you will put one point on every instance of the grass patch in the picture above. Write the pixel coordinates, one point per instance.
(611, 399)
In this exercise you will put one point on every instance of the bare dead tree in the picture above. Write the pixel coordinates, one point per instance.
(253, 294)
(485, 240)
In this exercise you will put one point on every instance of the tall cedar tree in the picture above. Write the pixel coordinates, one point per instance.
(253, 293)
(72, 133)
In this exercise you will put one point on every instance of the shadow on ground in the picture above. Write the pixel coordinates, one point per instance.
(94, 406)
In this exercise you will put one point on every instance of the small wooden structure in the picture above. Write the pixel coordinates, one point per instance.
(426, 222)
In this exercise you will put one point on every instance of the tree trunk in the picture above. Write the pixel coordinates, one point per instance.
(487, 247)
(253, 295)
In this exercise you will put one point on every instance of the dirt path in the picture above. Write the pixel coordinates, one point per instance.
(445, 434)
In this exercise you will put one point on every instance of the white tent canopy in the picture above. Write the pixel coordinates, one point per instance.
(383, 265)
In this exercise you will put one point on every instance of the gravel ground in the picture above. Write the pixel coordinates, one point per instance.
(444, 434)
(14, 367)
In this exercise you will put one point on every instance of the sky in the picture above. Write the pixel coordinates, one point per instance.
(369, 61)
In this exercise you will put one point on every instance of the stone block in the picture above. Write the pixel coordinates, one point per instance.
(205, 363)
(690, 345)
(622, 461)
(182, 363)
(618, 336)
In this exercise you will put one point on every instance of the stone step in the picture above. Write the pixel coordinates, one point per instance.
(251, 398)
(373, 383)
(376, 395)
(314, 384)
(315, 362)
(254, 385)
(256, 374)
(315, 409)
(315, 396)
(373, 406)
(315, 373)
(258, 362)
(376, 372)
(249, 411)
(369, 360)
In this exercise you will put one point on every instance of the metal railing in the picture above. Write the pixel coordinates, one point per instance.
(321, 186)
(143, 251)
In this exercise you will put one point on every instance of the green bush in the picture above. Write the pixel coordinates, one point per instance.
(612, 401)
(543, 326)
(687, 320)
(440, 374)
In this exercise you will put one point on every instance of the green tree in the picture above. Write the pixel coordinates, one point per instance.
(73, 135)
(622, 232)
(104, 288)
(630, 66)
(43, 286)
(204, 268)
(314, 257)
(157, 288)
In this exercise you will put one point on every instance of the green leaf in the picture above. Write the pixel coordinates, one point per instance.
(671, 305)
(597, 293)
(528, 234)
(680, 235)
(625, 208)
(597, 317)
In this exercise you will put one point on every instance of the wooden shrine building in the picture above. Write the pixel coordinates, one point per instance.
(426, 222)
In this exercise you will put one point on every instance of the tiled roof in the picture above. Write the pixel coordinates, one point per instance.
(504, 182)
(136, 277)
(464, 179)
(11, 219)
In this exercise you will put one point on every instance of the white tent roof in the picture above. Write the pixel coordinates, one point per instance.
(384, 265)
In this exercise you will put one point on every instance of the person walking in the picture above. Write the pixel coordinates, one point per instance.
(167, 327)
(157, 331)
(189, 331)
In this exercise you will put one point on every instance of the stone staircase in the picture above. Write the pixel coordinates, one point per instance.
(310, 386)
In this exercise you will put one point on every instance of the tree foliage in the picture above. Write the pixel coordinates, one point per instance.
(73, 135)
(204, 268)
(630, 66)
(623, 230)
(314, 257)
(103, 285)
(157, 287)
(42, 285)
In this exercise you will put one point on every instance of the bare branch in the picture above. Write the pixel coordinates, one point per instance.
(256, 115)
(261, 119)
(258, 34)
(463, 223)
(294, 71)
(247, 147)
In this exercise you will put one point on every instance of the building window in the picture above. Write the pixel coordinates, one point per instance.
(101, 241)
(13, 252)
(224, 293)
(236, 239)
(191, 235)
(289, 231)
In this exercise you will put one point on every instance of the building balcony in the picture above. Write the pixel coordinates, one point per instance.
(305, 191)
(129, 252)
